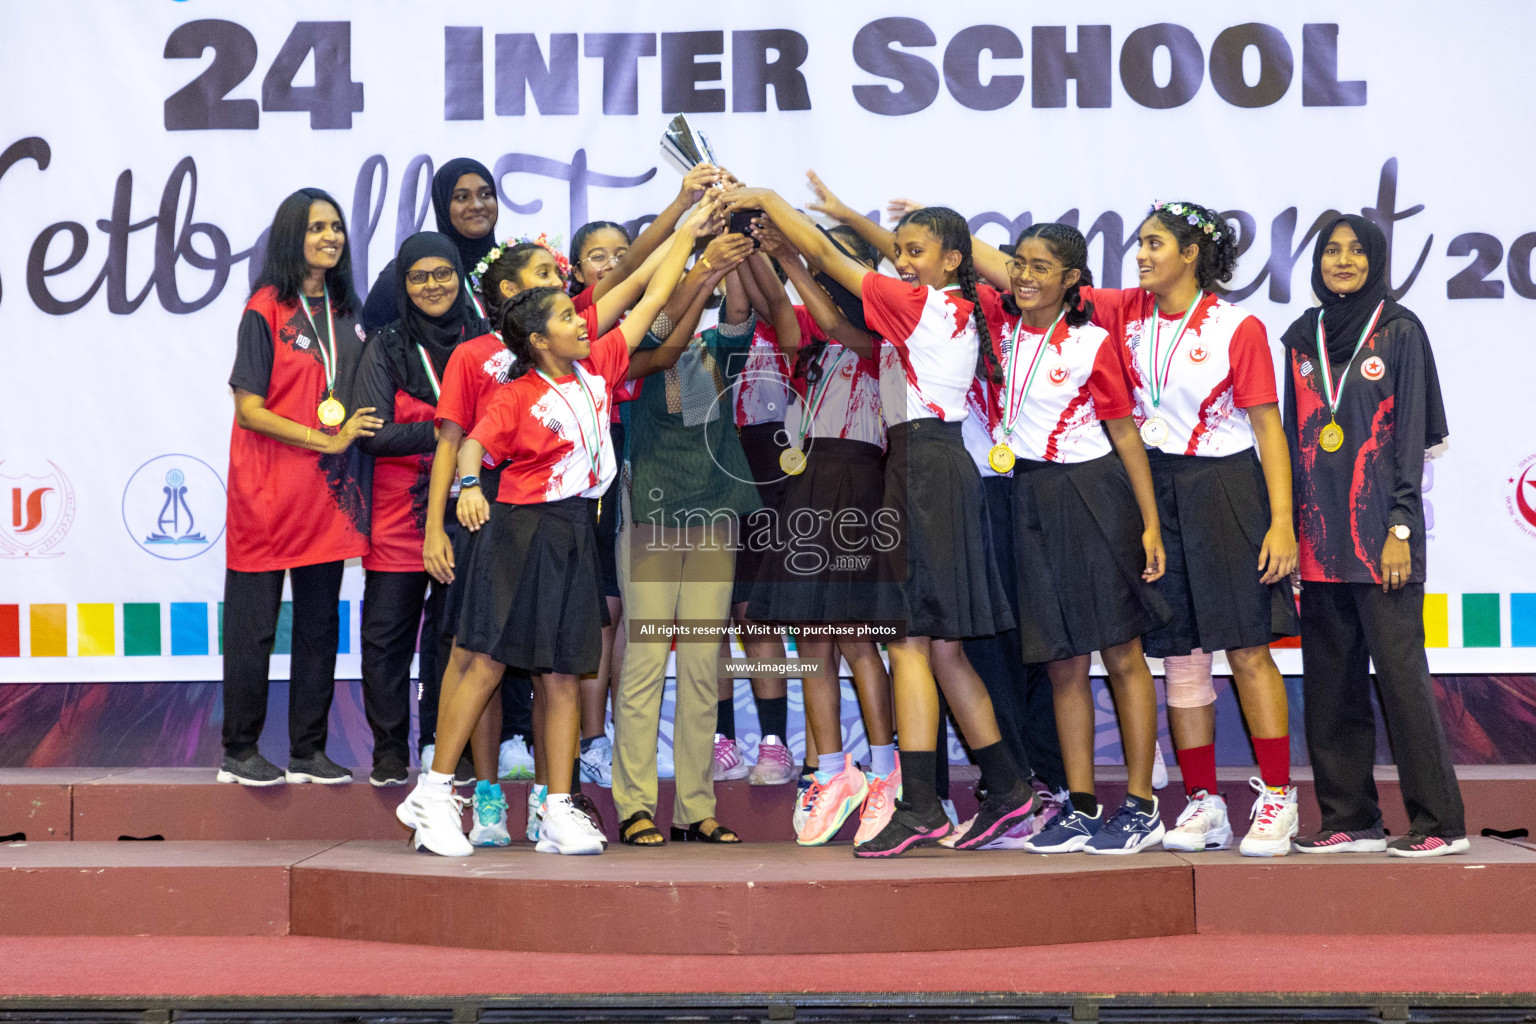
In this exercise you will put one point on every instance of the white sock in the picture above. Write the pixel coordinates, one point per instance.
(430, 779)
(831, 764)
(559, 800)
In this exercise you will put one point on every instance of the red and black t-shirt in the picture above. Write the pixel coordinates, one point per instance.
(1347, 500)
(289, 506)
(475, 370)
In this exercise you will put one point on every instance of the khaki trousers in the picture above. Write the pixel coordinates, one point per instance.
(670, 575)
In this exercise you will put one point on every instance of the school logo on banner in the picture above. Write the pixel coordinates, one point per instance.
(173, 507)
(1520, 499)
(39, 508)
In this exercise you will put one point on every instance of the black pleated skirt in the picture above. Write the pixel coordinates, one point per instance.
(608, 521)
(761, 443)
(825, 566)
(1215, 513)
(463, 543)
(1077, 549)
(531, 594)
(943, 580)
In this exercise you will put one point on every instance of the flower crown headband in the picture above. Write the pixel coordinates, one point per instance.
(1193, 217)
(553, 245)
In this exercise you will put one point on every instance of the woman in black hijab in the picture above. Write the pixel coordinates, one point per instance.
(1362, 403)
(464, 203)
(400, 372)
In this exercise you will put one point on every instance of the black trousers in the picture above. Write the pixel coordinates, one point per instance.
(392, 606)
(1342, 626)
(437, 645)
(1021, 694)
(252, 602)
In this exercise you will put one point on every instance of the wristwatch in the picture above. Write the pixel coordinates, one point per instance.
(474, 481)
(1400, 532)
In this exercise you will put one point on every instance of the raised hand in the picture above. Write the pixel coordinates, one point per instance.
(697, 181)
(726, 252)
(895, 209)
(826, 201)
(772, 240)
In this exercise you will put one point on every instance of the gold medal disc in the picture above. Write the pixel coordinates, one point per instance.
(792, 461)
(1331, 437)
(1001, 459)
(331, 412)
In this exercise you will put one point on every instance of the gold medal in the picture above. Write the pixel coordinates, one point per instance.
(792, 461)
(1155, 431)
(1331, 437)
(331, 412)
(1001, 459)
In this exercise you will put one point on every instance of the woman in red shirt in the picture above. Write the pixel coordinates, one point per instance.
(297, 502)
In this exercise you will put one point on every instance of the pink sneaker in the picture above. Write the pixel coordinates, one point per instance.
(728, 763)
(775, 764)
(831, 803)
(879, 805)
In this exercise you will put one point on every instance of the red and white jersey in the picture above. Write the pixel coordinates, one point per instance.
(477, 369)
(1220, 368)
(550, 432)
(979, 431)
(1079, 381)
(847, 397)
(762, 387)
(928, 358)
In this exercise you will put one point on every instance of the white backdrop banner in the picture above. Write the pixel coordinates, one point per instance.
(145, 146)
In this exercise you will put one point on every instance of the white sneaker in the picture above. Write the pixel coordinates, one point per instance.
(802, 812)
(1275, 824)
(1202, 825)
(434, 812)
(514, 760)
(536, 798)
(597, 763)
(1159, 768)
(566, 830)
(730, 766)
(489, 817)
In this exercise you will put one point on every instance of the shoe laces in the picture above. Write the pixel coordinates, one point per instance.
(725, 752)
(490, 807)
(813, 796)
(1270, 804)
(879, 793)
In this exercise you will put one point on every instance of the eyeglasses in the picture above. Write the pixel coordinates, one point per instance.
(442, 275)
(1017, 268)
(602, 257)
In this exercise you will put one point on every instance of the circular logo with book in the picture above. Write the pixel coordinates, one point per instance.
(173, 507)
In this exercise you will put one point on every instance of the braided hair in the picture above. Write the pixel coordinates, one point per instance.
(954, 234)
(520, 318)
(1067, 244)
(1192, 224)
(508, 266)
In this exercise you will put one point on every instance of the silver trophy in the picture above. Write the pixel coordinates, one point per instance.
(684, 147)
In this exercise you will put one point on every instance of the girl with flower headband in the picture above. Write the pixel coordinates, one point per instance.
(1208, 411)
(529, 594)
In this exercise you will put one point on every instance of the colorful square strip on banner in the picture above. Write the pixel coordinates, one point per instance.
(101, 630)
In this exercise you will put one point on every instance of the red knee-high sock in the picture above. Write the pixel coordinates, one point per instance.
(1199, 767)
(1274, 757)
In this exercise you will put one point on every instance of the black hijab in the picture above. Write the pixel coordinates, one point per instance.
(471, 250)
(437, 335)
(1345, 316)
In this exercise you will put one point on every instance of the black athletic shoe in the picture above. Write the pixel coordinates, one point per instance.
(317, 768)
(1337, 840)
(584, 804)
(906, 830)
(464, 774)
(997, 814)
(388, 771)
(252, 771)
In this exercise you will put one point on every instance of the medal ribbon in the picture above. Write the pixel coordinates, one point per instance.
(476, 300)
(1016, 406)
(818, 396)
(1158, 382)
(1331, 393)
(327, 358)
(593, 448)
(437, 386)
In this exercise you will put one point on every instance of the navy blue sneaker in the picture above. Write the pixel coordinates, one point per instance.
(1068, 833)
(1129, 831)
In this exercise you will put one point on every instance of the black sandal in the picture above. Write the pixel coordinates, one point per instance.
(633, 838)
(695, 834)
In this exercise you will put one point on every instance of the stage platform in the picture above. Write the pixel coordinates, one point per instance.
(758, 898)
(105, 804)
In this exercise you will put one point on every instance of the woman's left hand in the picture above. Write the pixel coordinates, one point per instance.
(1396, 564)
(1157, 558)
(1278, 553)
(473, 509)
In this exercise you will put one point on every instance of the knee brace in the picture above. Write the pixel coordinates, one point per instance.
(1187, 680)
